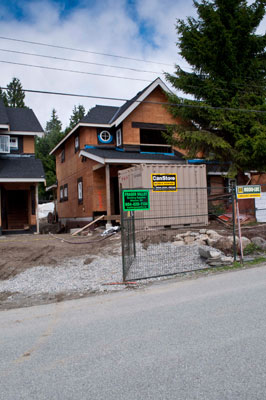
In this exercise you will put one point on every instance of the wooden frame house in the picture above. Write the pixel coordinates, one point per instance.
(105, 141)
(20, 171)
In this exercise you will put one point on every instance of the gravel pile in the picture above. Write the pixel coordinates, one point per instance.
(166, 258)
(91, 274)
(80, 274)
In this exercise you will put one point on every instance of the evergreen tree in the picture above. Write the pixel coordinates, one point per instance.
(3, 97)
(53, 134)
(78, 113)
(228, 63)
(15, 95)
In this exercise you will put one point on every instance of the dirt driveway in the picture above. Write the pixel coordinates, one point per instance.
(21, 252)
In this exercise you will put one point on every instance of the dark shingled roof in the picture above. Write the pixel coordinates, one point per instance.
(125, 106)
(108, 114)
(19, 119)
(23, 119)
(128, 155)
(100, 115)
(21, 167)
(3, 115)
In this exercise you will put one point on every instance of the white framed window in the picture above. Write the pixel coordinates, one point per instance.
(63, 156)
(13, 143)
(66, 191)
(61, 193)
(4, 144)
(105, 137)
(76, 143)
(118, 137)
(80, 191)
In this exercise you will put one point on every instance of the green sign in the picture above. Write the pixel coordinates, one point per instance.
(136, 200)
(248, 191)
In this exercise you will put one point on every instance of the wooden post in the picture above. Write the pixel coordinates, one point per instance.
(108, 190)
(36, 208)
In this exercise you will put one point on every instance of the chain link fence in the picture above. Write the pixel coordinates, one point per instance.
(165, 239)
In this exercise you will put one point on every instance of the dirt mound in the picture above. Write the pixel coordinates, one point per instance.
(21, 252)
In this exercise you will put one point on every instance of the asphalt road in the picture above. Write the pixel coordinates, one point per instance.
(196, 339)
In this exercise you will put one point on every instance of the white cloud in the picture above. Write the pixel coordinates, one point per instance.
(109, 30)
(106, 27)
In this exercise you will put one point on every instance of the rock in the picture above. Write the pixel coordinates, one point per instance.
(202, 231)
(188, 240)
(245, 242)
(204, 252)
(186, 234)
(212, 242)
(227, 260)
(214, 235)
(194, 234)
(259, 241)
(208, 253)
(224, 244)
(200, 242)
(215, 263)
(215, 254)
(204, 237)
(179, 236)
(210, 232)
(179, 243)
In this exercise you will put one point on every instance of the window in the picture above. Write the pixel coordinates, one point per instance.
(80, 191)
(66, 192)
(76, 143)
(61, 193)
(63, 155)
(105, 137)
(4, 144)
(13, 143)
(118, 137)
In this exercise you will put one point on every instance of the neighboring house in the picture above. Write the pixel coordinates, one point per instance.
(105, 141)
(20, 171)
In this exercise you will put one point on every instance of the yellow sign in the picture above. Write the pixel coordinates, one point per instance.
(164, 182)
(248, 191)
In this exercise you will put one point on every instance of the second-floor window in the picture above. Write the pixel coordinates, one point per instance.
(4, 144)
(63, 155)
(76, 143)
(13, 143)
(118, 137)
(80, 191)
(66, 192)
(61, 193)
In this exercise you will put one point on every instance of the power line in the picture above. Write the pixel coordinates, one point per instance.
(83, 50)
(97, 74)
(74, 71)
(144, 101)
(79, 61)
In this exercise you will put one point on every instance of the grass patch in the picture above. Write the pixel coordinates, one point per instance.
(251, 248)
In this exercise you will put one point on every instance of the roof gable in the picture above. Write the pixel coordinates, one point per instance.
(130, 105)
(19, 119)
(108, 116)
(23, 120)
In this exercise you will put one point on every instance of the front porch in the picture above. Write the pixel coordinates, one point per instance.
(18, 205)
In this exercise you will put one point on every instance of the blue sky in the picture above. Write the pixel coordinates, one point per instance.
(140, 29)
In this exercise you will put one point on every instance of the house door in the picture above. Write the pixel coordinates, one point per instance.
(115, 195)
(17, 209)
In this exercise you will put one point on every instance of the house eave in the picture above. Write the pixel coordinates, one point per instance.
(103, 160)
(157, 82)
(80, 124)
(22, 180)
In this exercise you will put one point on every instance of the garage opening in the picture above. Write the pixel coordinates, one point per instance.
(16, 209)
